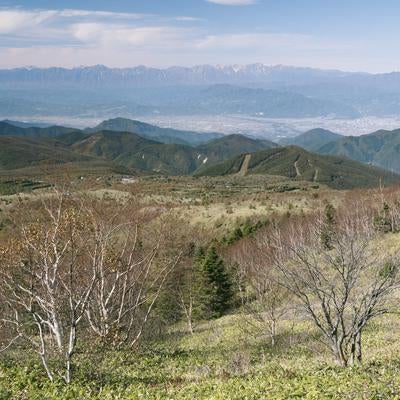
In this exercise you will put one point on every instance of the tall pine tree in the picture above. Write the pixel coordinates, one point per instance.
(219, 288)
(205, 288)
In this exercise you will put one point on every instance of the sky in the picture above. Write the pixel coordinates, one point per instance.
(351, 35)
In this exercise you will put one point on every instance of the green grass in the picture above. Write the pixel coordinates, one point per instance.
(224, 359)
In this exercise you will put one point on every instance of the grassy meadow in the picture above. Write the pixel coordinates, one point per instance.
(229, 357)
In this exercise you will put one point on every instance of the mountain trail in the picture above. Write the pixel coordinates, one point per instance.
(298, 173)
(245, 165)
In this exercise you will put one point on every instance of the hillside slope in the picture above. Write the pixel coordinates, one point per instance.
(106, 144)
(9, 129)
(232, 145)
(381, 148)
(132, 150)
(163, 135)
(20, 152)
(296, 163)
(313, 139)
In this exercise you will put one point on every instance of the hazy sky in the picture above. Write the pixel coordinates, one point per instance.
(344, 34)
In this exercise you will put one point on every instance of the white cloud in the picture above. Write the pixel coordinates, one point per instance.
(73, 37)
(12, 21)
(87, 32)
(85, 27)
(252, 40)
(188, 19)
(233, 2)
(89, 13)
(123, 35)
(20, 22)
(73, 27)
(268, 41)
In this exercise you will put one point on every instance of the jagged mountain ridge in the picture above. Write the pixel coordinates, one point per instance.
(198, 75)
(141, 75)
(99, 90)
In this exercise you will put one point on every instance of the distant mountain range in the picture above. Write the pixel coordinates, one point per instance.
(27, 147)
(277, 75)
(23, 147)
(257, 90)
(198, 75)
(381, 148)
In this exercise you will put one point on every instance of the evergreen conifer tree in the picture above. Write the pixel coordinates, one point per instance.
(219, 290)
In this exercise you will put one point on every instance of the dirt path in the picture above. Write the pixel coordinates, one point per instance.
(298, 173)
(245, 165)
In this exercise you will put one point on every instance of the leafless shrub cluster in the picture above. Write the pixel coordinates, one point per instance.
(341, 287)
(79, 270)
(334, 264)
(262, 297)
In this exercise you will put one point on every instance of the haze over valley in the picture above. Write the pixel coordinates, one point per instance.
(256, 99)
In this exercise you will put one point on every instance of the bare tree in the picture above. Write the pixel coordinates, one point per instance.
(343, 287)
(387, 217)
(130, 279)
(187, 295)
(45, 285)
(74, 261)
(262, 296)
(269, 306)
